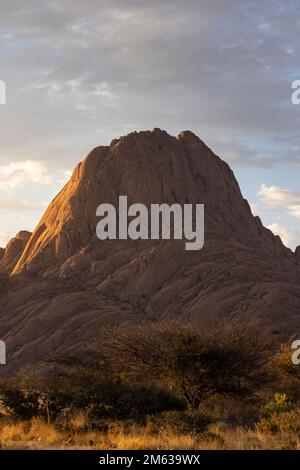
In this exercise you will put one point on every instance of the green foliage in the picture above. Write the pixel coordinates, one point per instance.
(275, 415)
(279, 404)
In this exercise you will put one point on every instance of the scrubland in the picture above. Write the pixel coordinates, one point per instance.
(158, 386)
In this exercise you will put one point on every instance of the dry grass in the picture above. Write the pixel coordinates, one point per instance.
(36, 434)
(33, 434)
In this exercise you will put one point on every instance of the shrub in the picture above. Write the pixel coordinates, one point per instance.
(123, 401)
(178, 422)
(19, 403)
(26, 403)
(279, 404)
(228, 360)
(284, 422)
(286, 374)
(278, 416)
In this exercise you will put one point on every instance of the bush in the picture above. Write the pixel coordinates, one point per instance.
(178, 422)
(278, 416)
(19, 403)
(229, 360)
(279, 404)
(242, 412)
(27, 403)
(284, 422)
(286, 374)
(122, 401)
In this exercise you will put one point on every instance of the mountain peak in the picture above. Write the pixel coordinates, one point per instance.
(66, 283)
(148, 167)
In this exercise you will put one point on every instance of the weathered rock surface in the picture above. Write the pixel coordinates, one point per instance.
(66, 283)
(14, 249)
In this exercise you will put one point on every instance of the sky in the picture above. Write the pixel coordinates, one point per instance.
(81, 73)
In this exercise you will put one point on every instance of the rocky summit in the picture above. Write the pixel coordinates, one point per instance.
(61, 284)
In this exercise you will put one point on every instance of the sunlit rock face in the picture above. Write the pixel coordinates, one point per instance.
(65, 283)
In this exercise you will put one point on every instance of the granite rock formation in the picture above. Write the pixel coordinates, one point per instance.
(64, 283)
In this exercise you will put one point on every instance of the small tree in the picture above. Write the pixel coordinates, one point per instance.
(229, 359)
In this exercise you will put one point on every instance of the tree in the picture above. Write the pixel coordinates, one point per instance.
(229, 359)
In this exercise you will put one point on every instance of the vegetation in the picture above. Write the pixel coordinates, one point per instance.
(223, 388)
(194, 365)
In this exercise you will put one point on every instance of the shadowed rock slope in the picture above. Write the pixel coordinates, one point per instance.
(65, 283)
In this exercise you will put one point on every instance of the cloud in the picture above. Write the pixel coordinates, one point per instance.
(15, 205)
(282, 202)
(274, 197)
(254, 208)
(289, 238)
(19, 173)
(97, 69)
(4, 238)
(65, 177)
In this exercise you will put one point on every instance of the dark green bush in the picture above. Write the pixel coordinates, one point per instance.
(27, 403)
(122, 401)
(19, 403)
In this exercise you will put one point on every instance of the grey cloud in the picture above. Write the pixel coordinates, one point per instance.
(223, 69)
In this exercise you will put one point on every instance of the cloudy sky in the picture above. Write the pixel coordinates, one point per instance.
(80, 73)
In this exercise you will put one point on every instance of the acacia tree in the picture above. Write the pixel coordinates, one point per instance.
(229, 359)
